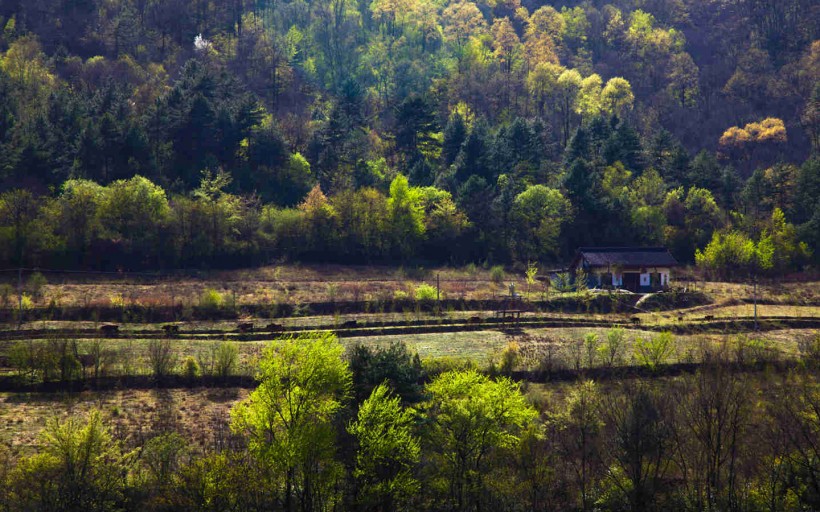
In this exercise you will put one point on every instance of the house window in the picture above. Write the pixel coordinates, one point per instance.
(645, 279)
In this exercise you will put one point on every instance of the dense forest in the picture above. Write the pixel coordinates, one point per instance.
(174, 133)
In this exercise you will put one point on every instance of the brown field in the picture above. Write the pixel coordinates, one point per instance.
(299, 284)
(199, 414)
(287, 284)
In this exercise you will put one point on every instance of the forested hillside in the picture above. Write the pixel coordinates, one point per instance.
(170, 133)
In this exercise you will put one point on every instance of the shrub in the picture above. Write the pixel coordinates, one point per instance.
(753, 350)
(654, 352)
(562, 282)
(225, 359)
(497, 274)
(211, 299)
(425, 292)
(510, 357)
(190, 368)
(591, 347)
(23, 357)
(400, 295)
(332, 291)
(117, 300)
(613, 346)
(65, 354)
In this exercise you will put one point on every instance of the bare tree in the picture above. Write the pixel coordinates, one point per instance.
(639, 445)
(580, 434)
(715, 410)
(797, 414)
(162, 358)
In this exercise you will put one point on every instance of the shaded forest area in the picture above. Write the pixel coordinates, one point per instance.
(146, 133)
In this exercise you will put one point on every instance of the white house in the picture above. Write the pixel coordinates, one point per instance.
(637, 269)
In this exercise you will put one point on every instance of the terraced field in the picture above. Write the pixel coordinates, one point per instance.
(361, 308)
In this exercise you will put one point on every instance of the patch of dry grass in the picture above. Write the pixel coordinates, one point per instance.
(199, 415)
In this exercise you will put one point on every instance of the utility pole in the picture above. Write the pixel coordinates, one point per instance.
(754, 294)
(20, 297)
(438, 293)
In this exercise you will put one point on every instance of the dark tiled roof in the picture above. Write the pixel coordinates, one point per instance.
(626, 256)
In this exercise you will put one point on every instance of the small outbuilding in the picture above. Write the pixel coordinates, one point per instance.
(637, 269)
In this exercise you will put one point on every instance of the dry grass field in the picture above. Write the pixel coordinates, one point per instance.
(301, 284)
(287, 284)
(200, 414)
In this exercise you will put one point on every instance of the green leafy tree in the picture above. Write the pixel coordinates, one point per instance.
(135, 211)
(612, 349)
(24, 232)
(387, 452)
(77, 210)
(288, 418)
(539, 213)
(472, 418)
(655, 351)
(79, 468)
(393, 365)
(617, 97)
(406, 215)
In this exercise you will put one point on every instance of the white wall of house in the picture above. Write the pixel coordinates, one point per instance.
(645, 277)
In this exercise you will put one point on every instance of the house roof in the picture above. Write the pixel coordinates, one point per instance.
(625, 257)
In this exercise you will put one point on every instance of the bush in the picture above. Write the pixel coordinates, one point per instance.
(225, 359)
(393, 364)
(562, 282)
(211, 299)
(400, 295)
(117, 300)
(190, 368)
(425, 292)
(591, 347)
(497, 274)
(510, 357)
(655, 351)
(613, 346)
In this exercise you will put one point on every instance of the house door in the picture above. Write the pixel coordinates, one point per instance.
(632, 281)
